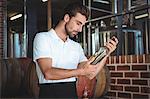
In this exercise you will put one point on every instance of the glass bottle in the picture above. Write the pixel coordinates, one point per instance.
(99, 55)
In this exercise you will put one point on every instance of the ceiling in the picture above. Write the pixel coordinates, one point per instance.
(16, 6)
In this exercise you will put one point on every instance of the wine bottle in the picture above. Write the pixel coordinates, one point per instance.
(99, 55)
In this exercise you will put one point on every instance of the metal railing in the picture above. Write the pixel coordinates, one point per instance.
(132, 42)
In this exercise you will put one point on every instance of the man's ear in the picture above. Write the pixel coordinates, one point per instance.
(66, 18)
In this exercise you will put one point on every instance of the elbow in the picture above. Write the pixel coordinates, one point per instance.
(48, 76)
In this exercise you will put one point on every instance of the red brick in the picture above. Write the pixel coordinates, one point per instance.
(128, 59)
(132, 89)
(139, 67)
(147, 58)
(113, 81)
(145, 89)
(1, 14)
(1, 4)
(1, 45)
(1, 38)
(1, 24)
(112, 60)
(145, 74)
(1, 31)
(134, 58)
(112, 68)
(120, 59)
(123, 67)
(109, 58)
(124, 95)
(107, 61)
(132, 74)
(123, 59)
(140, 58)
(115, 87)
(109, 93)
(116, 74)
(117, 59)
(1, 9)
(139, 96)
(1, 42)
(139, 82)
(1, 21)
(123, 81)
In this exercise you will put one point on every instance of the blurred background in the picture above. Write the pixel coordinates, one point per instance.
(128, 20)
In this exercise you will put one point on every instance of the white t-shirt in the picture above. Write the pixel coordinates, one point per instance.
(66, 55)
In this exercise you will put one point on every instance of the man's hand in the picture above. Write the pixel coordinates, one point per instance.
(88, 68)
(112, 44)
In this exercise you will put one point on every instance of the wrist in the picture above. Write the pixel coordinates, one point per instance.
(81, 72)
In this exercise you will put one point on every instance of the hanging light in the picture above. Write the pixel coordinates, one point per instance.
(102, 1)
(16, 17)
(141, 16)
(44, 0)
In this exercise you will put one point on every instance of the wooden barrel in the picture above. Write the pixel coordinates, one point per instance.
(24, 64)
(94, 88)
(3, 77)
(18, 78)
(32, 81)
(19, 75)
(102, 82)
(10, 77)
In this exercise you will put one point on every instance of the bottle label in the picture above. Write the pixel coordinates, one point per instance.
(99, 55)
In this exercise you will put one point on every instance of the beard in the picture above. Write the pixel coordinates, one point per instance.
(69, 33)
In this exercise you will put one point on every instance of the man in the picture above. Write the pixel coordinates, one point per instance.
(57, 56)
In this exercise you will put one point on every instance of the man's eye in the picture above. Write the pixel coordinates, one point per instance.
(78, 23)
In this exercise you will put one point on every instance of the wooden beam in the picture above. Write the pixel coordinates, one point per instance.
(49, 9)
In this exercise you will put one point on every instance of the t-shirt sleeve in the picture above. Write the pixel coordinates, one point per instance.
(82, 55)
(41, 47)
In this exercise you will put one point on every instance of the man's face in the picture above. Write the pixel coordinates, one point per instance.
(75, 24)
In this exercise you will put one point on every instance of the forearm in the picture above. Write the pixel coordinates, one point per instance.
(58, 73)
(51, 73)
(100, 65)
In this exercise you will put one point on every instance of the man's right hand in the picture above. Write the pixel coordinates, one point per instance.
(89, 69)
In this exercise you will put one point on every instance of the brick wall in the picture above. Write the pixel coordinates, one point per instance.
(1, 27)
(130, 76)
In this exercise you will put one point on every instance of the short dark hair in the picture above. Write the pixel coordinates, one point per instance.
(74, 8)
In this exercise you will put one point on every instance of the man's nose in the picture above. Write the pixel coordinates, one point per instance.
(80, 29)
